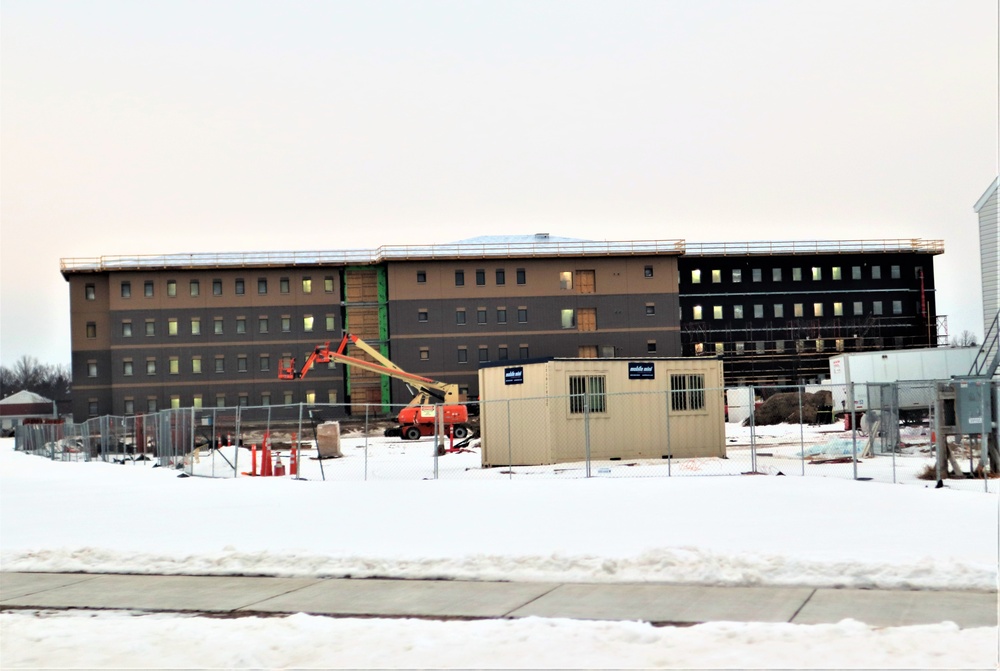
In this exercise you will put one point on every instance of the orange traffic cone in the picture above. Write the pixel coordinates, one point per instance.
(279, 468)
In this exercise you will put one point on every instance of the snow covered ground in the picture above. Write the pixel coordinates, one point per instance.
(740, 530)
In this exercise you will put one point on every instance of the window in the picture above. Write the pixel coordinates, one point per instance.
(567, 319)
(331, 323)
(858, 308)
(522, 315)
(838, 309)
(172, 327)
(737, 275)
(288, 398)
(740, 348)
(894, 272)
(126, 290)
(779, 346)
(566, 280)
(481, 316)
(586, 319)
(265, 398)
(647, 271)
(758, 311)
(737, 312)
(716, 276)
(241, 324)
(817, 273)
(699, 348)
(484, 354)
(897, 307)
(587, 394)
(286, 324)
(307, 285)
(196, 365)
(502, 353)
(91, 369)
(217, 326)
(776, 274)
(147, 289)
(195, 288)
(172, 288)
(716, 312)
(425, 353)
(759, 346)
(174, 365)
(757, 275)
(797, 310)
(150, 366)
(696, 276)
(463, 355)
(459, 278)
(796, 274)
(820, 345)
(522, 277)
(696, 312)
(651, 346)
(262, 324)
(151, 404)
(127, 329)
(328, 285)
(220, 401)
(835, 272)
(460, 317)
(150, 327)
(650, 309)
(522, 352)
(196, 401)
(480, 277)
(220, 364)
(307, 323)
(127, 368)
(241, 363)
(284, 286)
(855, 272)
(244, 399)
(129, 406)
(779, 310)
(195, 325)
(501, 315)
(265, 362)
(876, 307)
(421, 315)
(421, 277)
(216, 287)
(262, 285)
(90, 292)
(839, 344)
(91, 329)
(501, 277)
(876, 272)
(817, 309)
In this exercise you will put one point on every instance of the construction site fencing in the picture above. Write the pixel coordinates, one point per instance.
(787, 431)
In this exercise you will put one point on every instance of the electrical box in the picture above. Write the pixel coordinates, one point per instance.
(973, 407)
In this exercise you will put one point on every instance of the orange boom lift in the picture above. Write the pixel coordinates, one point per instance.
(417, 418)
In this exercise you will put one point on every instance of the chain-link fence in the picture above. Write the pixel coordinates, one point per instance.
(788, 431)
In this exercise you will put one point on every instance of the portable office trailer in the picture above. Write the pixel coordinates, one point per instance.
(558, 410)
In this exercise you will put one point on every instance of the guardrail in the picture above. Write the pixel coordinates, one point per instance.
(775, 247)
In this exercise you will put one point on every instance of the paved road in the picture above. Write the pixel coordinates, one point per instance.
(450, 599)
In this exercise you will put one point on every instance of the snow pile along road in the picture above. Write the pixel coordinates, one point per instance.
(71, 516)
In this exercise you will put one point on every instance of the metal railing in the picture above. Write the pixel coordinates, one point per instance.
(772, 247)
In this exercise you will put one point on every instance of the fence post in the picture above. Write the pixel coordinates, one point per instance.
(510, 449)
(586, 425)
(367, 405)
(854, 430)
(237, 441)
(438, 435)
(670, 455)
(753, 429)
(802, 437)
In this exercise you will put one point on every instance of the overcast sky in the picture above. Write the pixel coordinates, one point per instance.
(171, 126)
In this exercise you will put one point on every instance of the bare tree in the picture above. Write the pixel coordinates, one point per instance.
(50, 381)
(967, 339)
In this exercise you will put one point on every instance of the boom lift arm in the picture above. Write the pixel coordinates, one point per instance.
(428, 391)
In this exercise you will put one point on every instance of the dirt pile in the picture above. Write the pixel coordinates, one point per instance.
(784, 408)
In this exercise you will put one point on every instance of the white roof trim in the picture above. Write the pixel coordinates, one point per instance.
(986, 196)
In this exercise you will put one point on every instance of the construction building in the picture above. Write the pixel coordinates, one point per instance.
(989, 253)
(153, 332)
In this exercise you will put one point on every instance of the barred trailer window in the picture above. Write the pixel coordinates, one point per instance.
(687, 392)
(587, 391)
